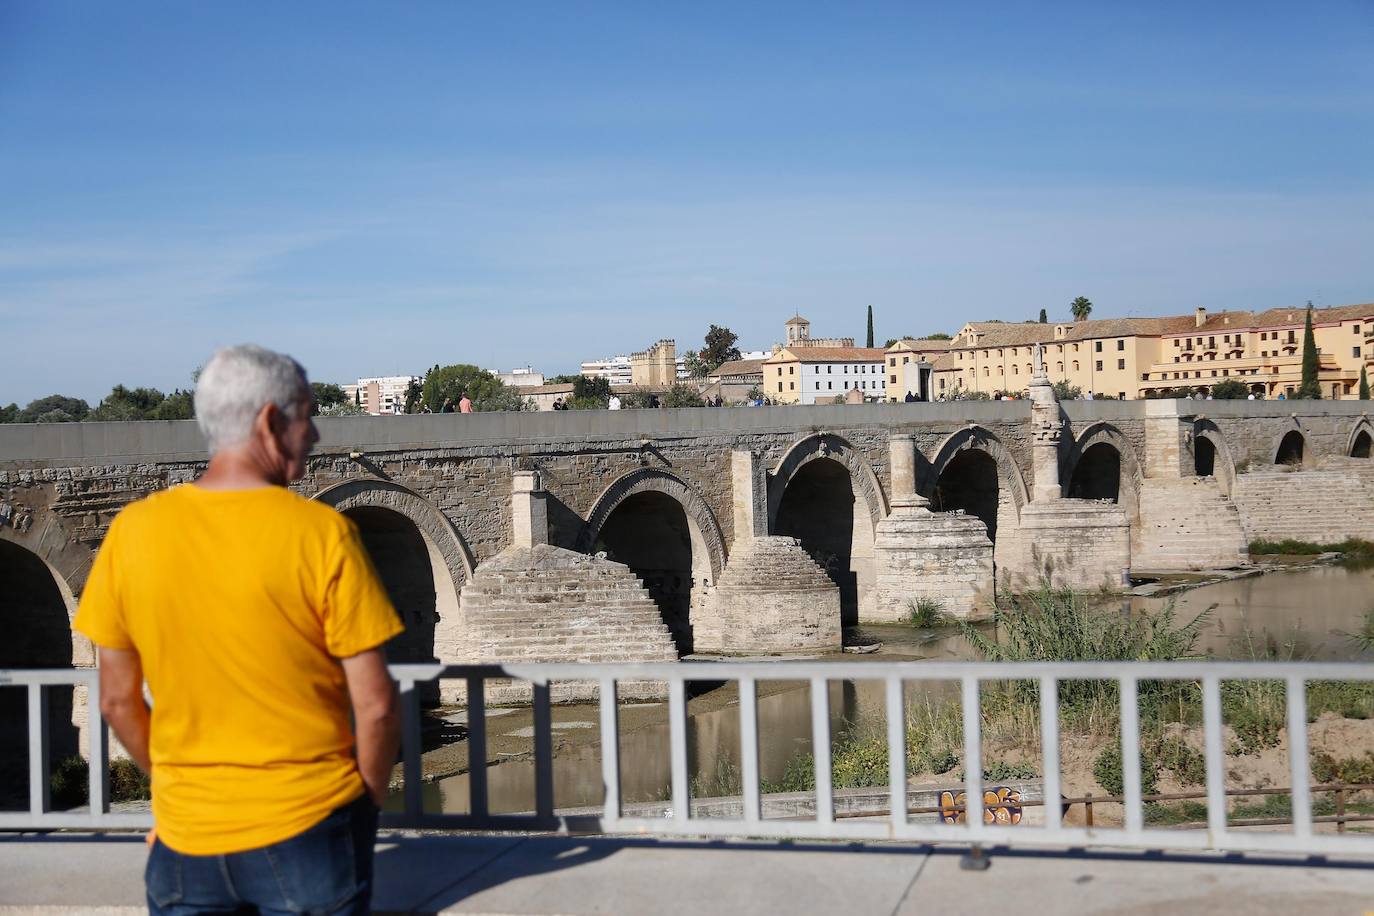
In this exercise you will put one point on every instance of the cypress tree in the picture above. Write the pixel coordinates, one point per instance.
(1044, 317)
(1310, 389)
(870, 326)
(1364, 384)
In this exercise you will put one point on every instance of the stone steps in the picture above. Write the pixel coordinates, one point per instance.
(1186, 524)
(547, 604)
(1322, 506)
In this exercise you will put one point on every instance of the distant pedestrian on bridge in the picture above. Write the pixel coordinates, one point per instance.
(257, 620)
(464, 404)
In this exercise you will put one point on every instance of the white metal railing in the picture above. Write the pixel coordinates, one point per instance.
(896, 825)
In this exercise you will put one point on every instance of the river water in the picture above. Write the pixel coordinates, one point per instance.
(1303, 613)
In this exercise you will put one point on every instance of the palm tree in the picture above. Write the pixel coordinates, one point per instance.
(1081, 308)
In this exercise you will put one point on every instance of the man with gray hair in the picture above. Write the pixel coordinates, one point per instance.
(257, 621)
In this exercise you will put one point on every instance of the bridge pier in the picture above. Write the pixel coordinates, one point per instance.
(943, 557)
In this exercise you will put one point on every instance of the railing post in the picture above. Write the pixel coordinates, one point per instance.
(1340, 810)
(1130, 754)
(98, 746)
(1298, 765)
(749, 749)
(896, 752)
(677, 748)
(543, 751)
(820, 749)
(973, 755)
(40, 798)
(1088, 810)
(411, 750)
(610, 752)
(1216, 763)
(1049, 751)
(477, 745)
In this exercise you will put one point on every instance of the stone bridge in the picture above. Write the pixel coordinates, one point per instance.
(522, 535)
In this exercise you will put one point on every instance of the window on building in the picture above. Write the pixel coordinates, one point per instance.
(1355, 328)
(1097, 346)
(829, 369)
(792, 386)
(1355, 352)
(986, 372)
(818, 386)
(892, 361)
(1176, 343)
(1211, 343)
(846, 370)
(1015, 370)
(779, 387)
(1121, 344)
(893, 380)
(846, 385)
(1075, 365)
(1099, 365)
(1121, 364)
(905, 360)
(829, 386)
(791, 370)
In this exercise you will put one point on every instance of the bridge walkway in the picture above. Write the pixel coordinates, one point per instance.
(451, 873)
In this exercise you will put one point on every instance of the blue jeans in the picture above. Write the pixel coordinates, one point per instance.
(326, 869)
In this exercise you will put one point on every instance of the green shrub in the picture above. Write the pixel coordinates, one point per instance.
(1256, 712)
(69, 784)
(1189, 766)
(1350, 770)
(1107, 769)
(926, 613)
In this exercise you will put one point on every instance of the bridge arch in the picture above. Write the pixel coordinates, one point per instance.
(663, 529)
(975, 438)
(1361, 439)
(824, 493)
(1102, 464)
(1292, 448)
(422, 559)
(1212, 456)
(36, 614)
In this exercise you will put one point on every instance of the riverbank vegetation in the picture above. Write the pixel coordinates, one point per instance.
(1352, 550)
(1055, 625)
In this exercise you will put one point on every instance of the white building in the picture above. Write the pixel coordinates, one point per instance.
(524, 377)
(616, 370)
(808, 375)
(381, 394)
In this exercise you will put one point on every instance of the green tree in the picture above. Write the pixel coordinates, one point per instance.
(938, 335)
(720, 348)
(486, 391)
(358, 397)
(128, 404)
(345, 408)
(1364, 385)
(596, 391)
(1044, 317)
(1230, 390)
(1066, 392)
(179, 405)
(562, 380)
(1310, 389)
(870, 327)
(327, 394)
(1081, 308)
(682, 396)
(9, 414)
(72, 409)
(415, 395)
(695, 365)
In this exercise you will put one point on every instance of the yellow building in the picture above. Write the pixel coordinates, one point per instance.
(910, 366)
(1142, 357)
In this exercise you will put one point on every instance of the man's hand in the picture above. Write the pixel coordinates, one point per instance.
(376, 719)
(122, 703)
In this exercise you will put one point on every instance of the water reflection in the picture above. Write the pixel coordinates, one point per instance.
(1307, 609)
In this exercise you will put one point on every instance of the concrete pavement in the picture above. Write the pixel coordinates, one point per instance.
(593, 875)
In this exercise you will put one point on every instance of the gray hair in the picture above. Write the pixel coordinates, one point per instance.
(237, 383)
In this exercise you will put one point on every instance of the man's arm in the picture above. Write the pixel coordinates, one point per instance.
(122, 703)
(376, 718)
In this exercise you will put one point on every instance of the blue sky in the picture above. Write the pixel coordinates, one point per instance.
(377, 188)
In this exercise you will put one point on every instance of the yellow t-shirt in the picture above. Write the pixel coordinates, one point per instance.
(240, 604)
